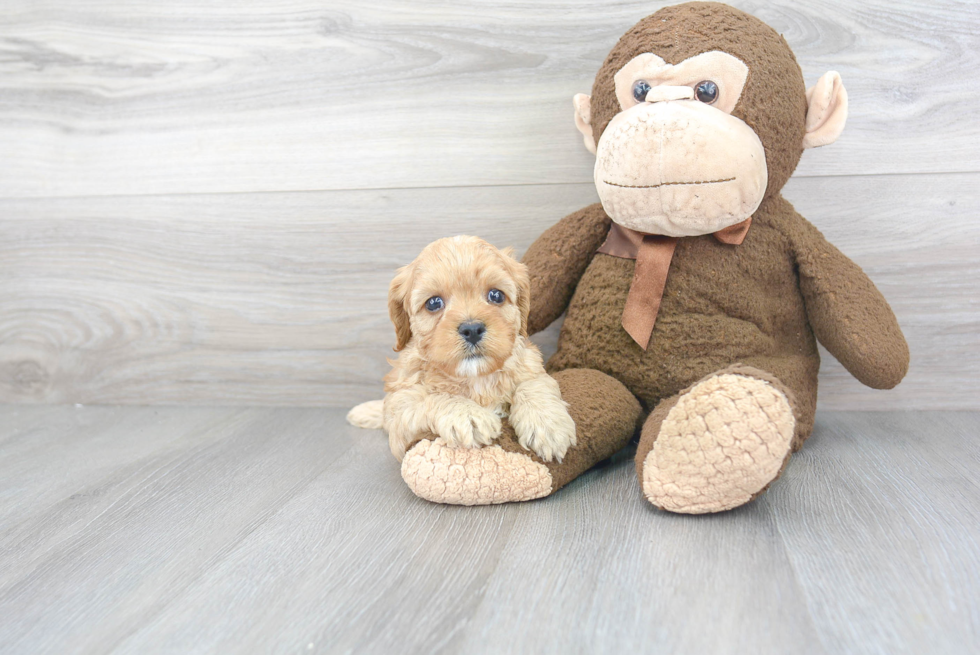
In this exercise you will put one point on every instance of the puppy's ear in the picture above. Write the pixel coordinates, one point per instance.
(518, 272)
(400, 287)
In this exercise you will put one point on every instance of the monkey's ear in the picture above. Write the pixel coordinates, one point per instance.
(826, 111)
(583, 119)
(400, 287)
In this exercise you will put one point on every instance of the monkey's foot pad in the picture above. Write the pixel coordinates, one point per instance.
(720, 446)
(473, 476)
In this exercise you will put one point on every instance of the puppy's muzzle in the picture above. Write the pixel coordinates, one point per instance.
(472, 331)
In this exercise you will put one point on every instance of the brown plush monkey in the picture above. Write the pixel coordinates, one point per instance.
(694, 293)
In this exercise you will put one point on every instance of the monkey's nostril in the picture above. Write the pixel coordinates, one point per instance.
(472, 331)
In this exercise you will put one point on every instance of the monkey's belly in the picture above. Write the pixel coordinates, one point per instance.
(696, 333)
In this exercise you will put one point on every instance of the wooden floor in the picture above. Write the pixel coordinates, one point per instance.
(188, 530)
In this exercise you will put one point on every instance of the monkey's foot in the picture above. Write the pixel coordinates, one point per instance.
(717, 445)
(473, 476)
(605, 415)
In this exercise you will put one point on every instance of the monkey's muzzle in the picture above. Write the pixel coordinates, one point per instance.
(679, 168)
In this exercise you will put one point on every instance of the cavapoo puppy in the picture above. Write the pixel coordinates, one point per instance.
(460, 314)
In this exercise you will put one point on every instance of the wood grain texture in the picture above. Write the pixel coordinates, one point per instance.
(100, 98)
(280, 299)
(874, 476)
(285, 530)
(157, 498)
(204, 203)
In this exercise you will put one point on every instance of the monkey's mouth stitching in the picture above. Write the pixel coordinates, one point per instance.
(655, 186)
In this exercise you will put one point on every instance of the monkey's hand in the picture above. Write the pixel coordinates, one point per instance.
(558, 259)
(540, 418)
(847, 312)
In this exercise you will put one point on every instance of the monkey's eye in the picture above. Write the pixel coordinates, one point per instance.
(706, 92)
(434, 304)
(495, 296)
(640, 90)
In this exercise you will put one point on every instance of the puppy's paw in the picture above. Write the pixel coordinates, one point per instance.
(541, 421)
(466, 424)
(549, 434)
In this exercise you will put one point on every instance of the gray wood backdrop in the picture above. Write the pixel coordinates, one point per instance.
(204, 203)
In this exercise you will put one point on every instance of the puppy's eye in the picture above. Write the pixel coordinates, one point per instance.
(640, 90)
(706, 92)
(495, 297)
(434, 304)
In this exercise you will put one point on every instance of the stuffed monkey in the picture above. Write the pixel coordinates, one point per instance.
(694, 294)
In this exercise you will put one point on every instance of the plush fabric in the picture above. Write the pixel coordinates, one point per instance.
(571, 243)
(761, 304)
(653, 255)
(718, 444)
(727, 71)
(679, 168)
(828, 111)
(473, 476)
(606, 417)
(730, 369)
(773, 101)
(726, 304)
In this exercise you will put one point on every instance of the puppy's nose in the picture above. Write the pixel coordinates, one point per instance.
(472, 331)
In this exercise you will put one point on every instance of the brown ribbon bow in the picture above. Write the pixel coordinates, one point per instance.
(652, 253)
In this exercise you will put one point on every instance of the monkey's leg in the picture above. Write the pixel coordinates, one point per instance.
(718, 444)
(606, 416)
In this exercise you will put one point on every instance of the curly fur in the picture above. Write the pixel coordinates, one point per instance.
(440, 384)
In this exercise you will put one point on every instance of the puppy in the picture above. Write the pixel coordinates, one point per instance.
(460, 314)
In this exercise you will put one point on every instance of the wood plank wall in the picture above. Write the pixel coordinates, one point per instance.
(203, 203)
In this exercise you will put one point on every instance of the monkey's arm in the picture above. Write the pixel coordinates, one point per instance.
(848, 314)
(557, 260)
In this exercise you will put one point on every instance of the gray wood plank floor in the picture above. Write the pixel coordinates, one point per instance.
(137, 530)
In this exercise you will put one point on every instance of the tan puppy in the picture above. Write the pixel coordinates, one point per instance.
(460, 314)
